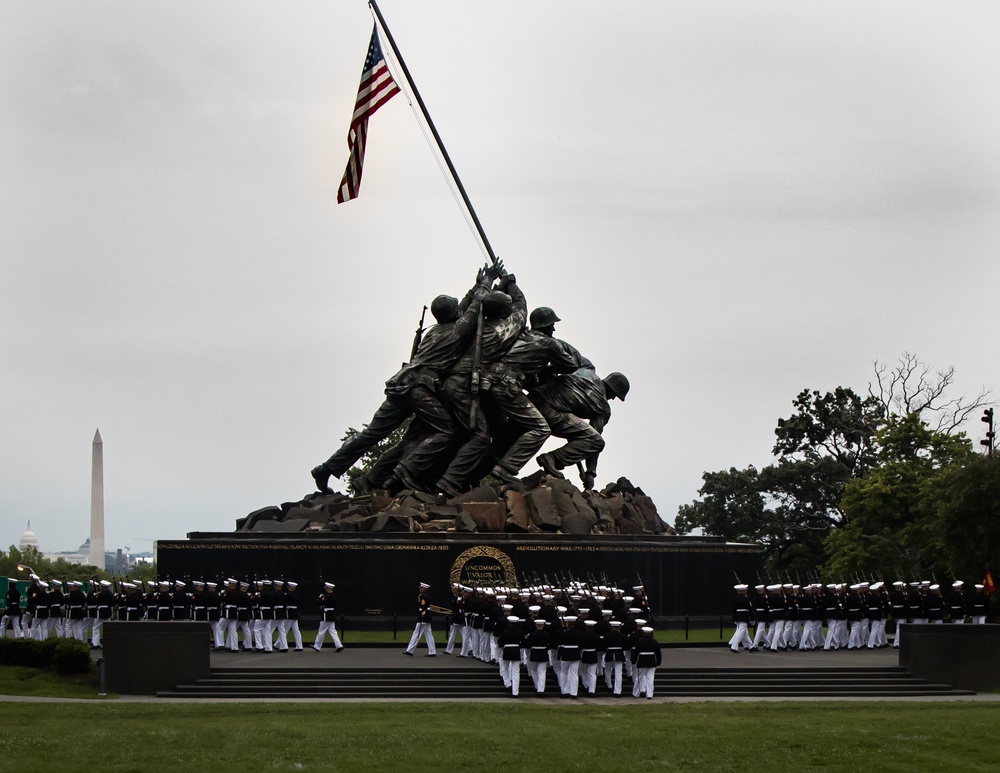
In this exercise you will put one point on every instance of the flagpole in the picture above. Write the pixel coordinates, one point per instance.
(437, 138)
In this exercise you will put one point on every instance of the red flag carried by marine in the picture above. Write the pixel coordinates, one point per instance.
(377, 87)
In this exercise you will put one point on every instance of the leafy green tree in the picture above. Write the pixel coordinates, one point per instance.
(891, 512)
(968, 510)
(790, 506)
(59, 569)
(732, 506)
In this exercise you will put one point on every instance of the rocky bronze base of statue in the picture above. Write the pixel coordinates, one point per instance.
(538, 503)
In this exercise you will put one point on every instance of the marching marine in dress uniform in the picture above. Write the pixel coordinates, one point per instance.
(978, 604)
(423, 626)
(568, 648)
(76, 611)
(104, 608)
(511, 641)
(457, 622)
(646, 656)
(538, 643)
(897, 601)
(876, 616)
(213, 605)
(328, 610)
(614, 658)
(956, 602)
(590, 644)
(741, 619)
(934, 604)
(12, 613)
(280, 616)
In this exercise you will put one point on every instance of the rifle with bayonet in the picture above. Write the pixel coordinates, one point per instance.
(418, 335)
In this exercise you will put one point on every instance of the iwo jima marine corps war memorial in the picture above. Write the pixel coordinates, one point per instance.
(457, 505)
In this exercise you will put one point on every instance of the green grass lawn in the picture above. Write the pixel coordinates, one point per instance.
(492, 737)
(22, 680)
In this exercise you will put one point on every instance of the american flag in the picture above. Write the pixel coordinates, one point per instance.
(377, 87)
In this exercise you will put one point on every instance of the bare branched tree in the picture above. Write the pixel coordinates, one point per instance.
(913, 387)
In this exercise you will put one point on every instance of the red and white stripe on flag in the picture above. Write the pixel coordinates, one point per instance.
(377, 87)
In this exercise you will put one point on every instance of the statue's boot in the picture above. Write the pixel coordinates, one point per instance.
(406, 480)
(361, 486)
(547, 463)
(501, 472)
(321, 475)
(447, 488)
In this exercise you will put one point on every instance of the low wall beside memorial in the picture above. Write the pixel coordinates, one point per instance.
(142, 658)
(964, 656)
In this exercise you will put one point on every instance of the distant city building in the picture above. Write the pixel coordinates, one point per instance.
(79, 556)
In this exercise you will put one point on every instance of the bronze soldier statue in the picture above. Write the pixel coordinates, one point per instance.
(413, 391)
(577, 408)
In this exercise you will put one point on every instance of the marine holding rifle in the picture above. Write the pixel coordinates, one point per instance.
(413, 391)
(464, 388)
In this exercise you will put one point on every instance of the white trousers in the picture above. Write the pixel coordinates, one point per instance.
(569, 677)
(537, 673)
(483, 647)
(613, 676)
(777, 633)
(588, 676)
(263, 635)
(95, 632)
(644, 682)
(510, 673)
(233, 628)
(876, 634)
(840, 633)
(218, 633)
(856, 639)
(468, 637)
(740, 637)
(454, 631)
(15, 626)
(831, 635)
(422, 629)
(286, 627)
(329, 626)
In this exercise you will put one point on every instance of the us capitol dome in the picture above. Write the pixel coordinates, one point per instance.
(28, 539)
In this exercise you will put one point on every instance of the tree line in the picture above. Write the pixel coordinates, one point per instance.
(60, 569)
(884, 485)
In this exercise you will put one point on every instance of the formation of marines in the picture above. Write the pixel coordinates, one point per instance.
(787, 616)
(583, 633)
(483, 391)
(70, 609)
(255, 616)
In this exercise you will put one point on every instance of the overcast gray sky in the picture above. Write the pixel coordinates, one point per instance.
(727, 201)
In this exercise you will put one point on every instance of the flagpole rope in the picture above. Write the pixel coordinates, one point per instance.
(442, 167)
(403, 83)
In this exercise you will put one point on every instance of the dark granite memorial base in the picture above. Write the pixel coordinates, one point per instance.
(143, 657)
(378, 574)
(964, 656)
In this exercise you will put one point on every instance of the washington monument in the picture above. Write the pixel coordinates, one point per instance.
(97, 503)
